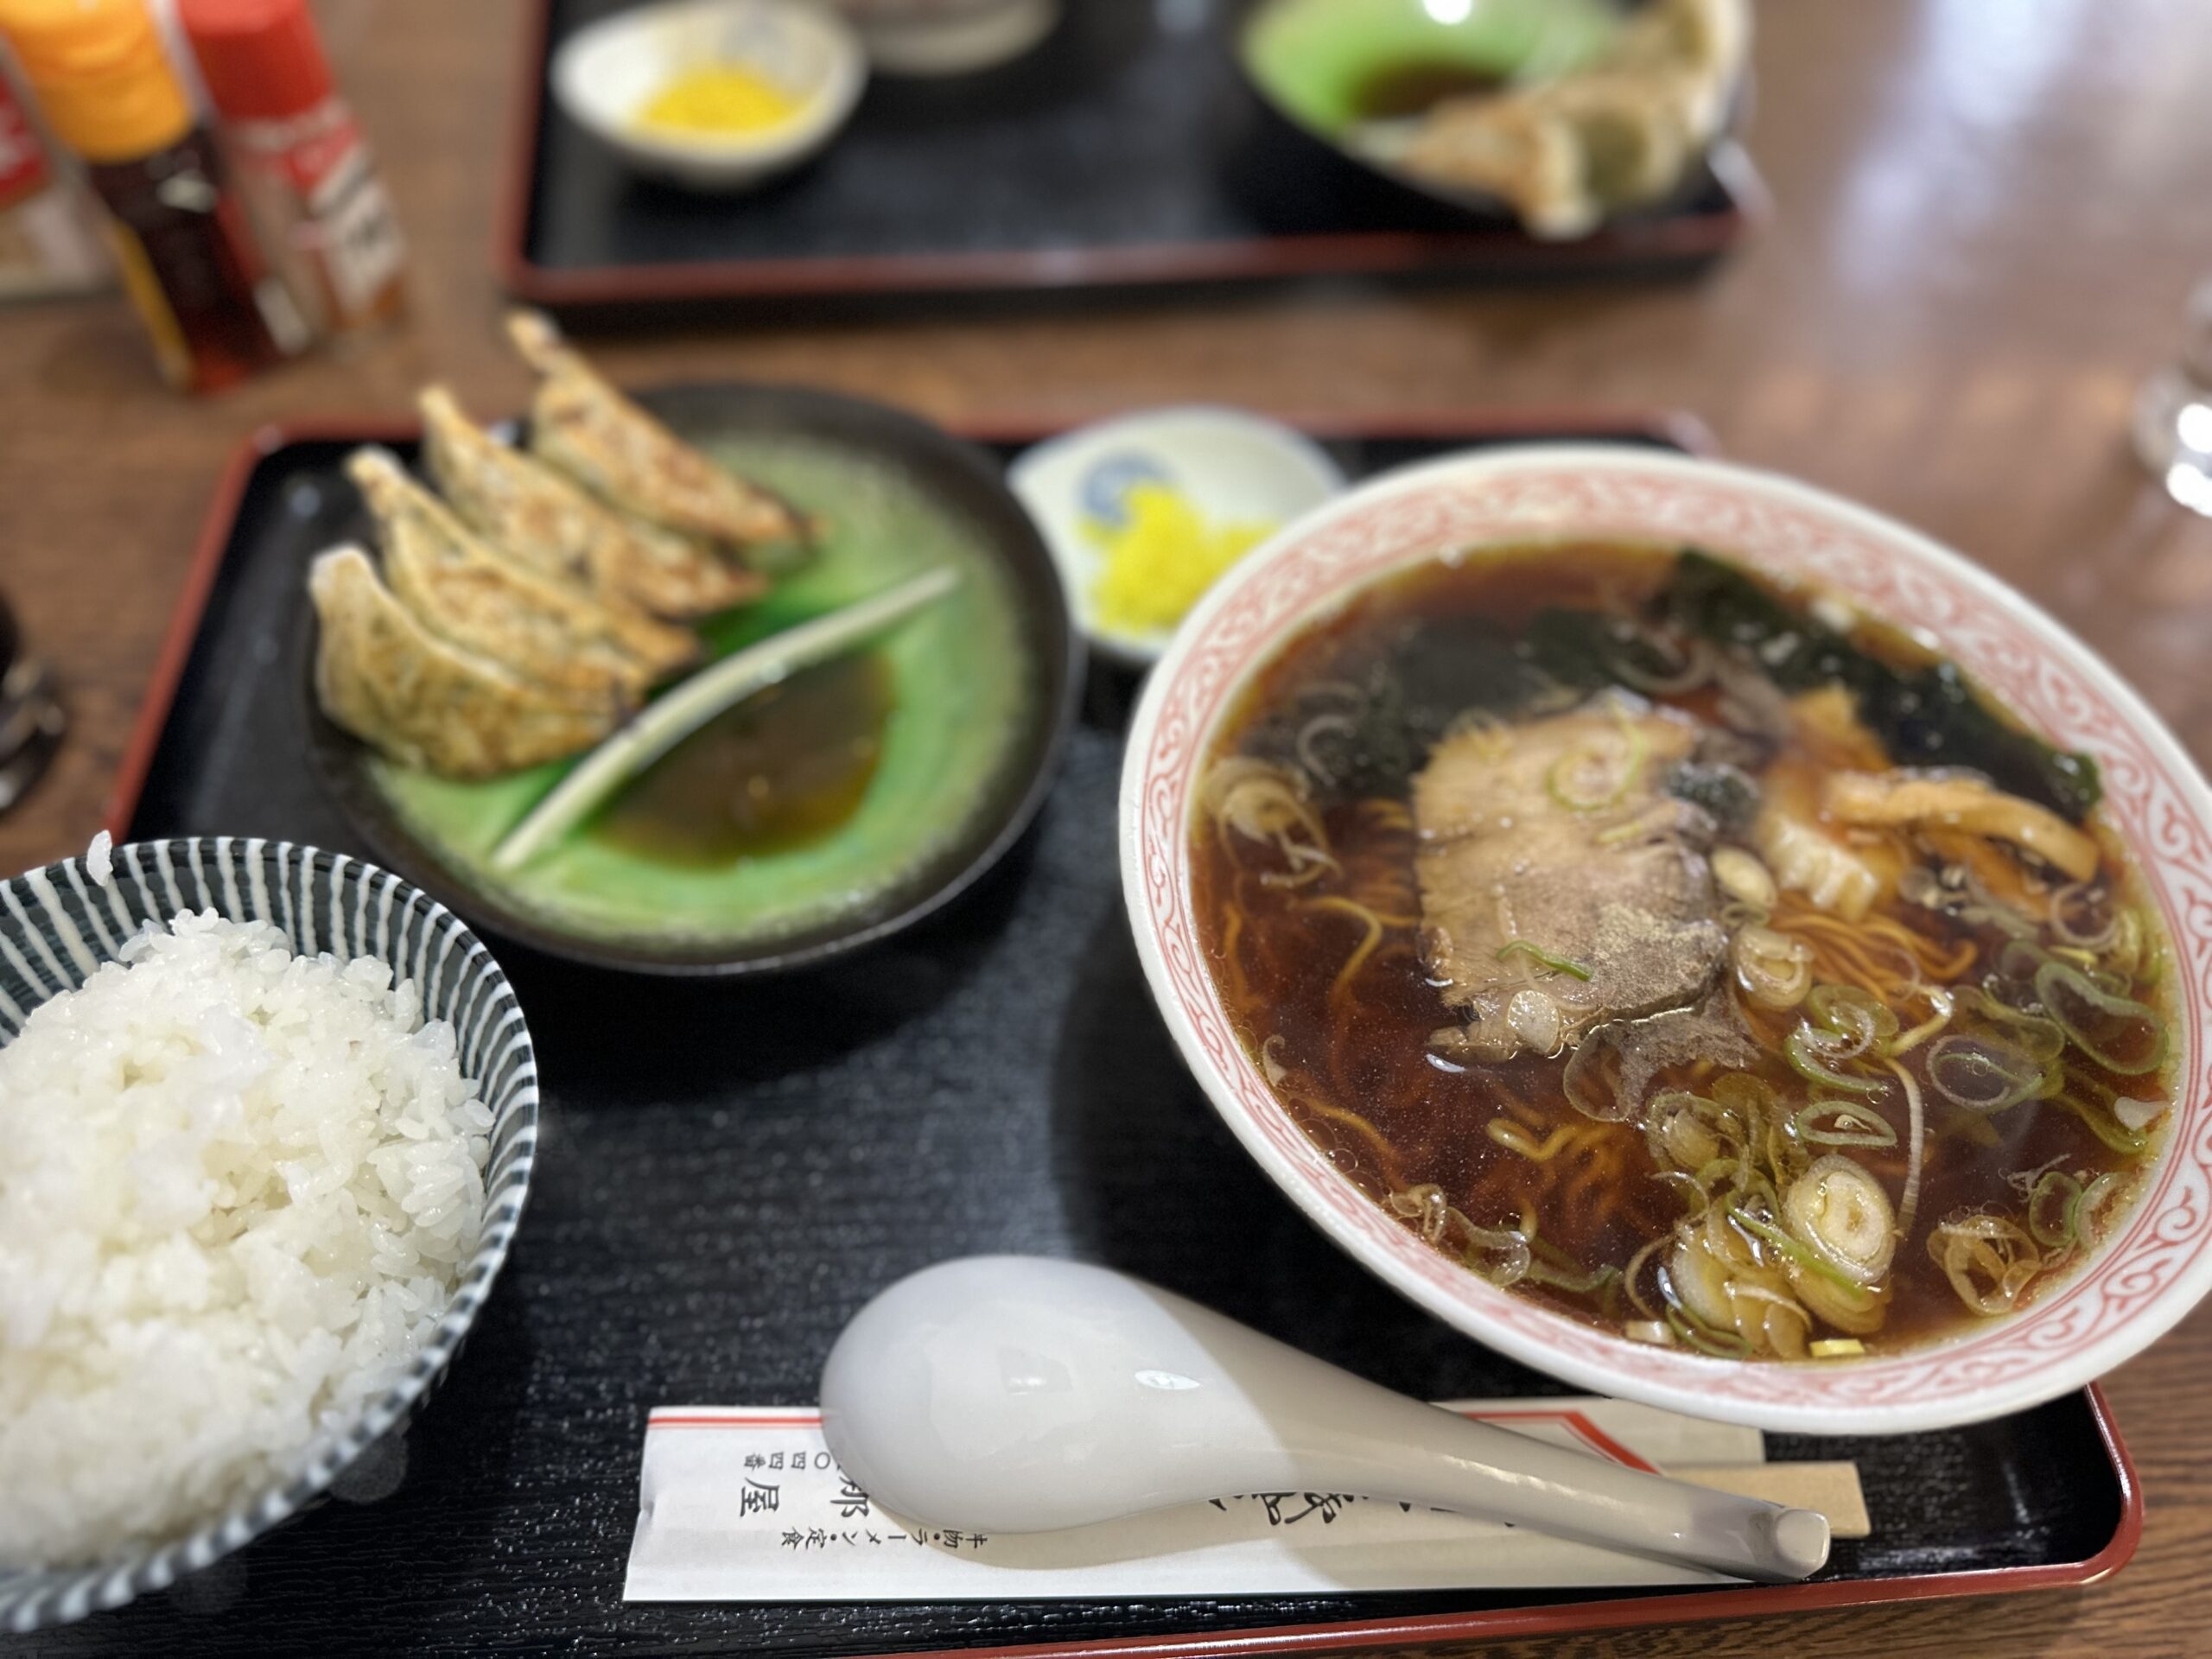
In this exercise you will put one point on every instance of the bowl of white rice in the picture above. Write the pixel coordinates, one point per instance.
(269, 1115)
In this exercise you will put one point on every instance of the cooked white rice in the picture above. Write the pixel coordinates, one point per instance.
(236, 1188)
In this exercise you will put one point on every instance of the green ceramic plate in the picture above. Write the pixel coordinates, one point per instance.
(965, 707)
(1325, 65)
(1323, 62)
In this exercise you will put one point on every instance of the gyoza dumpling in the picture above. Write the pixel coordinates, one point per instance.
(383, 677)
(623, 455)
(528, 510)
(468, 592)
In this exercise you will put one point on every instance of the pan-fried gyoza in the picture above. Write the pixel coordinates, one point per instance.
(585, 427)
(390, 681)
(519, 504)
(466, 591)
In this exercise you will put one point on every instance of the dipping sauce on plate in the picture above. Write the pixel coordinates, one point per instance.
(774, 773)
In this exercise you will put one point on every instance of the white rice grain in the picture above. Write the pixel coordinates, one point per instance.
(238, 1189)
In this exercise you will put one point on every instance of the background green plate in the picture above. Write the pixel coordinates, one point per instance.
(1310, 58)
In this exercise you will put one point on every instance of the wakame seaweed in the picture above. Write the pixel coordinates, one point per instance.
(1924, 716)
(1436, 672)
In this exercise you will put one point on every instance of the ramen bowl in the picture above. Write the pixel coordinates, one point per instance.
(2146, 1270)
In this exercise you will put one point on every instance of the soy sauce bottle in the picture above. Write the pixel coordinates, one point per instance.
(188, 261)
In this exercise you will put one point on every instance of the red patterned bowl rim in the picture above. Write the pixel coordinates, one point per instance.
(2139, 1284)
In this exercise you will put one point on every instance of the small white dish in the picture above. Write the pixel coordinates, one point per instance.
(1235, 468)
(602, 76)
(949, 37)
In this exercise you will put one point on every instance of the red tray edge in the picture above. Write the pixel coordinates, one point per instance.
(1558, 1618)
(1138, 265)
(1679, 427)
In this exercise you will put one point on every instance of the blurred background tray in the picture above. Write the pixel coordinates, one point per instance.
(1117, 153)
(730, 1169)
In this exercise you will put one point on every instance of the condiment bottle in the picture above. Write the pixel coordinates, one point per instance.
(301, 157)
(50, 236)
(178, 231)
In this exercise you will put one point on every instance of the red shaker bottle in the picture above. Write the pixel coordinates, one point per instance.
(301, 158)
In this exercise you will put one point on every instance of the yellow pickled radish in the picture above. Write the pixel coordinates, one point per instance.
(718, 99)
(1161, 558)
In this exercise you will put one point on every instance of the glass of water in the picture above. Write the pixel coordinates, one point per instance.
(2173, 412)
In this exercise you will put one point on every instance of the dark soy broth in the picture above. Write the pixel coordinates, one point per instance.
(1325, 968)
(780, 770)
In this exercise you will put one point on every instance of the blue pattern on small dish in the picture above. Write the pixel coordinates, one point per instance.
(1105, 489)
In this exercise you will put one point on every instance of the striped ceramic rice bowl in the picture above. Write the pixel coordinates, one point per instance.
(368, 1120)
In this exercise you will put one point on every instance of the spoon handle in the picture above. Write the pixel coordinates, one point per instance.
(1417, 1453)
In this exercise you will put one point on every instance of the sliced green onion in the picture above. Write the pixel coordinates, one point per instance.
(1701, 1200)
(1720, 1344)
(2120, 1139)
(2020, 959)
(1743, 1094)
(2054, 1186)
(664, 723)
(1709, 1176)
(1575, 1283)
(1682, 1130)
(1792, 1249)
(1983, 1074)
(1839, 1210)
(2081, 893)
(1940, 1001)
(1557, 964)
(1852, 1126)
(2082, 1213)
(2038, 1035)
(1837, 1348)
(1560, 780)
(2057, 982)
(1801, 1049)
(1842, 1023)
(1775, 970)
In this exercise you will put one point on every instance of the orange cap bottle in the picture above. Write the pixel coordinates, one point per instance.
(100, 75)
(187, 257)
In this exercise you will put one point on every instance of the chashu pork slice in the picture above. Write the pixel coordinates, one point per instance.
(526, 509)
(623, 455)
(385, 678)
(1554, 842)
(467, 591)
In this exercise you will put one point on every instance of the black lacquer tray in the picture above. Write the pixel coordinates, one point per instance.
(1123, 152)
(728, 1170)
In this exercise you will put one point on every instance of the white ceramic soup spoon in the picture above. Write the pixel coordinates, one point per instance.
(1011, 1394)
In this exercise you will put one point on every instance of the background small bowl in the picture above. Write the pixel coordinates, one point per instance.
(1234, 466)
(2156, 1265)
(323, 901)
(949, 37)
(602, 75)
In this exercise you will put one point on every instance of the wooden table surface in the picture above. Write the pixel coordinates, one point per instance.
(1987, 217)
